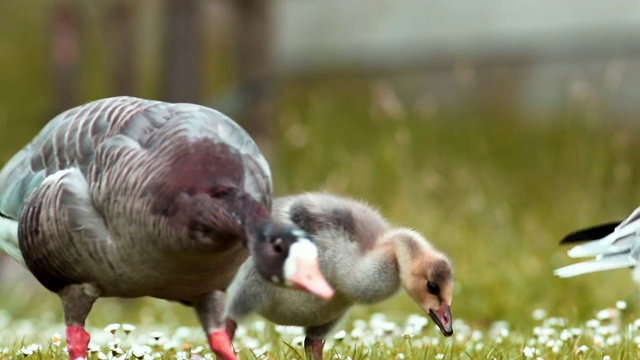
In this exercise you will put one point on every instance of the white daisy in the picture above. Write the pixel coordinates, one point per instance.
(112, 328)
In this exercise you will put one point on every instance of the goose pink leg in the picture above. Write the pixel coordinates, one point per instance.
(210, 309)
(77, 342)
(77, 300)
(221, 345)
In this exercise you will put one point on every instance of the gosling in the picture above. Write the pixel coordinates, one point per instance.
(363, 257)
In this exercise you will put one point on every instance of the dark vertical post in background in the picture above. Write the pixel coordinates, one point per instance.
(123, 47)
(182, 51)
(65, 51)
(255, 68)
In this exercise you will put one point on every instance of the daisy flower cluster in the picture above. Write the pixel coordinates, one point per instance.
(605, 337)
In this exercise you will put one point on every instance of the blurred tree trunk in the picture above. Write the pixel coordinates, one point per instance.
(182, 51)
(123, 47)
(255, 69)
(65, 55)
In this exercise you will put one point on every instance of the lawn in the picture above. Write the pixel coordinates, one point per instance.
(493, 190)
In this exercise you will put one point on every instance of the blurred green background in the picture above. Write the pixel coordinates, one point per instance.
(473, 149)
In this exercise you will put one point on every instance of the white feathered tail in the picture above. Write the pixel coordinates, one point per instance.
(617, 250)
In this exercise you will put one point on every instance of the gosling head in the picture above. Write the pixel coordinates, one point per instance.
(286, 255)
(430, 285)
(440, 294)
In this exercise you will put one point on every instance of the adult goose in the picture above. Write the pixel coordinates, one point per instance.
(126, 197)
(363, 257)
(614, 245)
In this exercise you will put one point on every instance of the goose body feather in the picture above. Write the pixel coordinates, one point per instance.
(130, 197)
(99, 162)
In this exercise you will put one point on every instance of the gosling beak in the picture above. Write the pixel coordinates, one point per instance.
(309, 278)
(302, 270)
(442, 318)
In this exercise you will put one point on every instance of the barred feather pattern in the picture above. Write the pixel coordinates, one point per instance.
(98, 166)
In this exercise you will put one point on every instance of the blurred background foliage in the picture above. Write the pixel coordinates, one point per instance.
(494, 155)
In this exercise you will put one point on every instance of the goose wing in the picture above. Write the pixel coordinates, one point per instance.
(71, 140)
(68, 140)
(110, 128)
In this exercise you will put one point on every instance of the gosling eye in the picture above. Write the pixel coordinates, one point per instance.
(277, 245)
(433, 288)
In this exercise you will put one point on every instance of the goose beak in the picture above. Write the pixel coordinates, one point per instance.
(309, 278)
(442, 318)
(302, 270)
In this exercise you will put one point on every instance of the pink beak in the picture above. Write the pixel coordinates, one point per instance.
(442, 318)
(309, 278)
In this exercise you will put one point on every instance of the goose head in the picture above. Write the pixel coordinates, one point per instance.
(286, 255)
(427, 276)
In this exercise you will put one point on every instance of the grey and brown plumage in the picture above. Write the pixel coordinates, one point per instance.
(364, 258)
(125, 197)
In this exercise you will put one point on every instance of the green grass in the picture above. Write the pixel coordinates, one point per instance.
(494, 191)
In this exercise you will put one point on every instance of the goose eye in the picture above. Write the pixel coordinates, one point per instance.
(433, 288)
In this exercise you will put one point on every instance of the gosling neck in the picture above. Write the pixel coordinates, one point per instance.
(408, 246)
